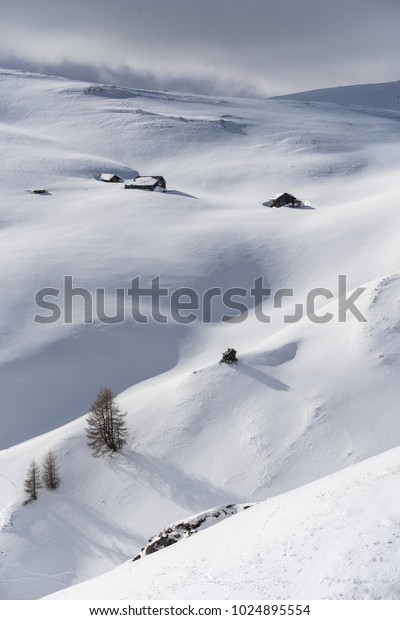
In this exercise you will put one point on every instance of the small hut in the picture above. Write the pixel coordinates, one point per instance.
(149, 183)
(285, 200)
(110, 178)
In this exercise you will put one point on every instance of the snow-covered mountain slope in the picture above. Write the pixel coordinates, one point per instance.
(229, 156)
(305, 400)
(336, 538)
(386, 95)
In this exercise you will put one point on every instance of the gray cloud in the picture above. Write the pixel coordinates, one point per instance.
(219, 46)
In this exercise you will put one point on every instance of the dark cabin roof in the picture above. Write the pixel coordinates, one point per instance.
(281, 200)
(285, 196)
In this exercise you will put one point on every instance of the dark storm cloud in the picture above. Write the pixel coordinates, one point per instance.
(255, 47)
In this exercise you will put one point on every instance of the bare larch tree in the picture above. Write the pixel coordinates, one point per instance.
(32, 481)
(106, 428)
(50, 476)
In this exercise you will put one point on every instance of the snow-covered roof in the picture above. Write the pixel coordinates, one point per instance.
(105, 176)
(143, 181)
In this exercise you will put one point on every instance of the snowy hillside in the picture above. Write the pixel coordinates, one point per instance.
(386, 95)
(305, 400)
(336, 538)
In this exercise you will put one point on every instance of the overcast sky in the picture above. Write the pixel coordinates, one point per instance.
(252, 47)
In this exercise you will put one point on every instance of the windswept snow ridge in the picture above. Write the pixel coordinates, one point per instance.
(385, 96)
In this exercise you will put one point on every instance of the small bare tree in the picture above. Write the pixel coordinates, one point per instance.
(32, 481)
(106, 424)
(50, 477)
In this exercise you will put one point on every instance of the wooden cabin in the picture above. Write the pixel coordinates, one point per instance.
(110, 178)
(285, 200)
(149, 183)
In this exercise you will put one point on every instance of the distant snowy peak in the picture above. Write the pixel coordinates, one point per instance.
(386, 95)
